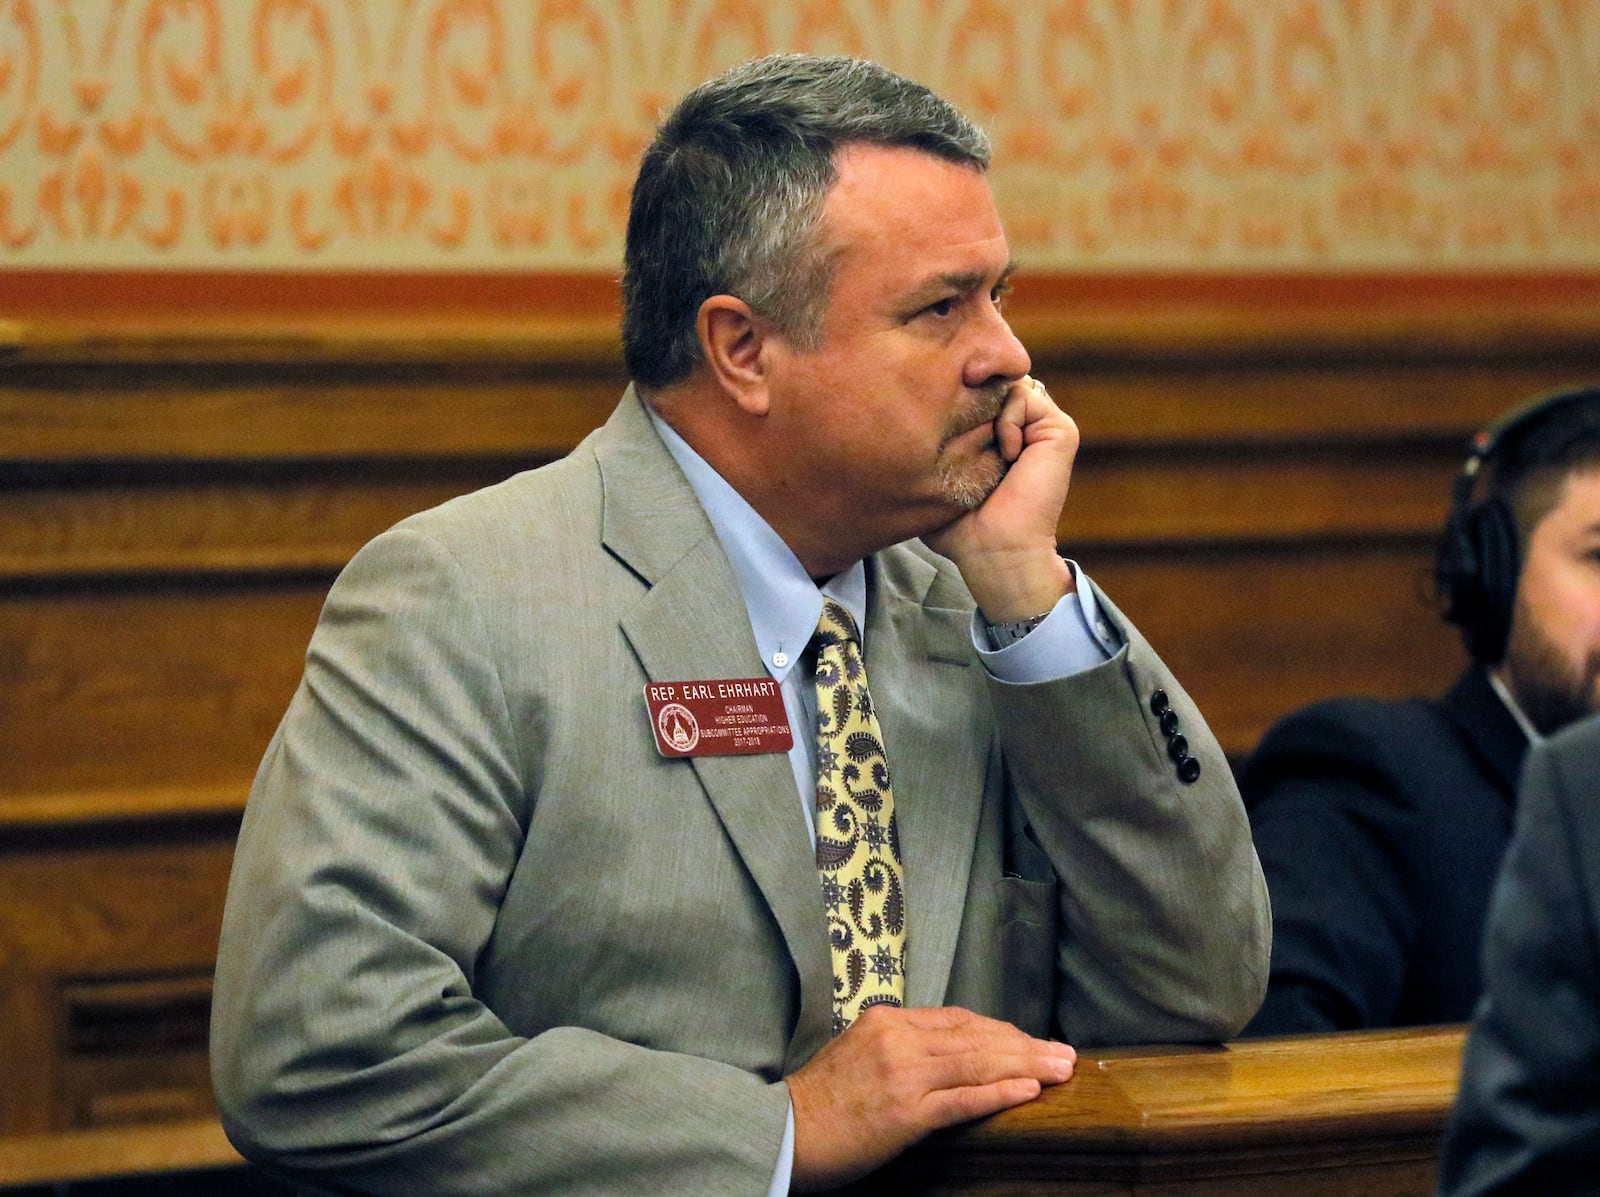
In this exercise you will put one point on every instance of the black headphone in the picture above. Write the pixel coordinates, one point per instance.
(1480, 557)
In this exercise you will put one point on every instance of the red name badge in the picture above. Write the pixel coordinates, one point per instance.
(723, 717)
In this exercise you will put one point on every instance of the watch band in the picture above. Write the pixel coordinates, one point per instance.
(1003, 634)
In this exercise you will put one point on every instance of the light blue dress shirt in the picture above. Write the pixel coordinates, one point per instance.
(784, 605)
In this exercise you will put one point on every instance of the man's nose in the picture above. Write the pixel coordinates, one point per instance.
(998, 353)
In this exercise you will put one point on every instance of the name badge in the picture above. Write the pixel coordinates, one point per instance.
(722, 717)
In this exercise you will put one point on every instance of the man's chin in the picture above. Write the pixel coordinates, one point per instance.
(968, 486)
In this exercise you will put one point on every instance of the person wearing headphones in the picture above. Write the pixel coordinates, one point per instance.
(1381, 825)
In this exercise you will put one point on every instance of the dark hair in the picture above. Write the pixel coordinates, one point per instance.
(1512, 478)
(730, 194)
(1532, 460)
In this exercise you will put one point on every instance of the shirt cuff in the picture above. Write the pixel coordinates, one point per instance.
(780, 1178)
(1075, 636)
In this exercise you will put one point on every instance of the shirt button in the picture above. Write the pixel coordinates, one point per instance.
(779, 660)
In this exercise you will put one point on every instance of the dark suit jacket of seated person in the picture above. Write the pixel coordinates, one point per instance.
(1381, 825)
(483, 936)
(1527, 1115)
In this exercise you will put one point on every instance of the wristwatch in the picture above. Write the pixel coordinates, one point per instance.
(1002, 634)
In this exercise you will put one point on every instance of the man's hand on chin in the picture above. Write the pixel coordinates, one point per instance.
(1005, 547)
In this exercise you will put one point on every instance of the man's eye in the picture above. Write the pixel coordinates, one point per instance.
(943, 307)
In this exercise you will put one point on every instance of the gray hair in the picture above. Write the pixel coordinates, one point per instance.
(730, 195)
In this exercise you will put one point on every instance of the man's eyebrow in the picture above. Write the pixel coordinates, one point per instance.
(967, 280)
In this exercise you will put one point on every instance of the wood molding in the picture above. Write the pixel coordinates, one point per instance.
(1265, 1116)
(68, 1156)
(196, 481)
(120, 805)
(1243, 318)
(1262, 1116)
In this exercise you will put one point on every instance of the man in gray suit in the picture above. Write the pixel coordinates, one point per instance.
(1527, 1117)
(508, 916)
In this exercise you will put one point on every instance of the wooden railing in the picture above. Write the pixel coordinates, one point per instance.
(1354, 1115)
(1359, 1114)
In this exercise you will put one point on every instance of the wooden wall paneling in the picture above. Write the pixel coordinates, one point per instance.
(178, 505)
(191, 1157)
(139, 898)
(172, 512)
(1257, 490)
(1262, 495)
(108, 938)
(173, 520)
(134, 1050)
(27, 1047)
(84, 394)
(1254, 631)
(1191, 495)
(278, 418)
(170, 682)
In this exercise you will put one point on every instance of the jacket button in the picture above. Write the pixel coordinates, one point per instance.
(1158, 702)
(1178, 749)
(1169, 722)
(1188, 769)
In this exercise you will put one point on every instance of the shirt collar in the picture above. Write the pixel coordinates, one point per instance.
(1500, 688)
(783, 603)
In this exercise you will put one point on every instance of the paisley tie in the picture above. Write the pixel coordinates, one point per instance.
(858, 844)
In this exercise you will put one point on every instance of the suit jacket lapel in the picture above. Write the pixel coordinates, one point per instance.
(1488, 728)
(691, 624)
(929, 724)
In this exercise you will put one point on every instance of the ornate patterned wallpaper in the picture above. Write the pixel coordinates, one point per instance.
(474, 135)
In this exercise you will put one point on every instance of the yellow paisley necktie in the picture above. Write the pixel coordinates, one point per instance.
(858, 844)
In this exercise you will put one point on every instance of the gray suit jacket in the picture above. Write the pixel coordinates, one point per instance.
(482, 939)
(1527, 1116)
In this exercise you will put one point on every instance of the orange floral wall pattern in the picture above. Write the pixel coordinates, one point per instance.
(484, 135)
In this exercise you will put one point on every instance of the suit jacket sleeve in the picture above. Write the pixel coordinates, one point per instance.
(1164, 924)
(1336, 829)
(378, 842)
(1527, 1116)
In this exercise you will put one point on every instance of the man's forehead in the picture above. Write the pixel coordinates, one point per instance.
(894, 201)
(873, 177)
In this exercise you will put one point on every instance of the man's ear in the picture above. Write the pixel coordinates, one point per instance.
(733, 341)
